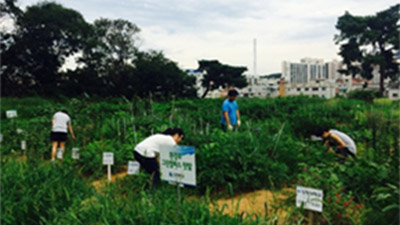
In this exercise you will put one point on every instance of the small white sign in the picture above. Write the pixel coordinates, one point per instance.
(59, 153)
(75, 153)
(310, 198)
(108, 158)
(133, 167)
(23, 145)
(11, 114)
(178, 164)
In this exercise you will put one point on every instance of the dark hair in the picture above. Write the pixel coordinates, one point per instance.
(319, 131)
(173, 131)
(233, 92)
(64, 111)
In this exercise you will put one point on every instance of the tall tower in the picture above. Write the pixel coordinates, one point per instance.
(255, 57)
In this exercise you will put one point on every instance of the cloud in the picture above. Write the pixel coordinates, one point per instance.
(190, 30)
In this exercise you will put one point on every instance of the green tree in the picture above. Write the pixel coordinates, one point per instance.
(45, 35)
(220, 75)
(158, 76)
(366, 41)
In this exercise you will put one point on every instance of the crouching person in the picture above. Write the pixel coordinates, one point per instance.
(147, 152)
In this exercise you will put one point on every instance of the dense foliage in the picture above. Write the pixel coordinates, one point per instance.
(271, 150)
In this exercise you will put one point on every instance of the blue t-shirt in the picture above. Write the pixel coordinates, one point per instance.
(231, 108)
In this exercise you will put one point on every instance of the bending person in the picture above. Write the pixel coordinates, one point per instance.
(343, 144)
(147, 152)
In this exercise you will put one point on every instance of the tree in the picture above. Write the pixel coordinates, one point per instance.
(366, 41)
(220, 75)
(160, 77)
(45, 35)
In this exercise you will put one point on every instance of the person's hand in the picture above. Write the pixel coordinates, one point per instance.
(230, 127)
(238, 123)
(73, 137)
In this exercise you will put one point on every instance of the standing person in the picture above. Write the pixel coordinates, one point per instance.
(147, 152)
(61, 123)
(343, 144)
(230, 118)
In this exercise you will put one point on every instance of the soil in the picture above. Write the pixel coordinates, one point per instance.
(253, 204)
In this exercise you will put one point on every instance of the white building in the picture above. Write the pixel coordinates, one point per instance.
(217, 93)
(320, 88)
(393, 91)
(309, 69)
(257, 87)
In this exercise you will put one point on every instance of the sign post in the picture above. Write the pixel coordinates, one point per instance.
(178, 166)
(108, 159)
(310, 199)
(11, 114)
(75, 153)
(133, 167)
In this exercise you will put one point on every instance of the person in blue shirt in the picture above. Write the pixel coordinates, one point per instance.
(230, 118)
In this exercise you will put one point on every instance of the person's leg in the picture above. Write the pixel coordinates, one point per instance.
(150, 165)
(62, 146)
(223, 127)
(54, 145)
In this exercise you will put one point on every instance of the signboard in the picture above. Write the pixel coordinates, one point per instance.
(310, 198)
(11, 114)
(133, 167)
(75, 153)
(23, 145)
(178, 164)
(108, 158)
(59, 153)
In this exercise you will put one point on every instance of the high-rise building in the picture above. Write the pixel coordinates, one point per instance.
(309, 69)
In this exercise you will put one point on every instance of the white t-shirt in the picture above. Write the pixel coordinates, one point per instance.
(151, 145)
(60, 122)
(347, 140)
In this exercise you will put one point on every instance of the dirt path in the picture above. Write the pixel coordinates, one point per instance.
(253, 203)
(98, 184)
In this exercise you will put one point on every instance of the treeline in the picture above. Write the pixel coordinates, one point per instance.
(109, 62)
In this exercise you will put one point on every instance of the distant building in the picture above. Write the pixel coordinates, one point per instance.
(320, 88)
(393, 91)
(309, 69)
(199, 75)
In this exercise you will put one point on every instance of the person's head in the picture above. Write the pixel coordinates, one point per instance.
(64, 111)
(322, 132)
(176, 133)
(232, 94)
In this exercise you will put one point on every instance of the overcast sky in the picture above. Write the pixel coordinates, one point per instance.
(190, 30)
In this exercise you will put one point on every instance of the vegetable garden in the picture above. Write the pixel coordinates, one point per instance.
(271, 150)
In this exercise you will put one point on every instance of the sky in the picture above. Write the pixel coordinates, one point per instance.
(187, 31)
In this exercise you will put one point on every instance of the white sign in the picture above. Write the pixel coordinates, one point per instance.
(310, 198)
(23, 145)
(108, 158)
(11, 114)
(75, 153)
(59, 153)
(133, 167)
(178, 164)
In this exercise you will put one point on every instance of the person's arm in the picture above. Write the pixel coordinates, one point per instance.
(238, 117)
(341, 144)
(71, 131)
(228, 122)
(52, 122)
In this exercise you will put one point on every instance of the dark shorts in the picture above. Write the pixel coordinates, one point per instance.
(58, 136)
(344, 152)
(150, 165)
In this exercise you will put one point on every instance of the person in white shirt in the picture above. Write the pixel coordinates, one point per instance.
(147, 152)
(61, 123)
(343, 144)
